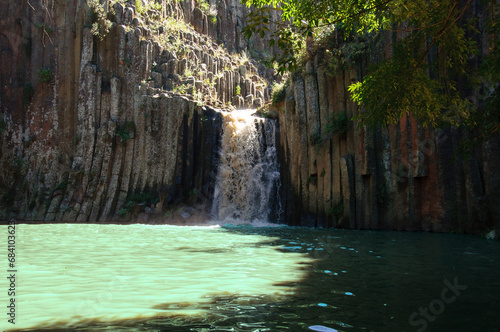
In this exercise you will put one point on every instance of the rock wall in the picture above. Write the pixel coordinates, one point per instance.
(92, 125)
(95, 126)
(226, 28)
(406, 177)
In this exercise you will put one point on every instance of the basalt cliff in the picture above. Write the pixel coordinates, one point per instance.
(110, 111)
(106, 110)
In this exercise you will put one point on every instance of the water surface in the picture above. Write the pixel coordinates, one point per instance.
(243, 278)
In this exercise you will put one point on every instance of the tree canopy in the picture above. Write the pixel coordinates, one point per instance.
(437, 46)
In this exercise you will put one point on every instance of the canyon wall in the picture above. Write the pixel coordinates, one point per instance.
(96, 124)
(406, 177)
(101, 125)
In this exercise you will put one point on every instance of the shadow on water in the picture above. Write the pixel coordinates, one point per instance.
(357, 281)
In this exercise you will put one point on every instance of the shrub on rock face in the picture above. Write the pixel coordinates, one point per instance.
(337, 125)
(279, 92)
(337, 209)
(45, 75)
(315, 138)
(125, 131)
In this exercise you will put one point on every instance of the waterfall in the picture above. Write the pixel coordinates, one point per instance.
(248, 179)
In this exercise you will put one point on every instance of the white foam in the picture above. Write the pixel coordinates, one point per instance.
(248, 172)
(321, 328)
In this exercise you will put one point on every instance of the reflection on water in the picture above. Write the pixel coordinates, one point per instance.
(241, 278)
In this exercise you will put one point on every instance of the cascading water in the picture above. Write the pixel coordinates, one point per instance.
(248, 179)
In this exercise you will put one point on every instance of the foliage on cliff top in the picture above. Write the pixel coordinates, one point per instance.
(429, 70)
(165, 25)
(170, 31)
(207, 9)
(301, 19)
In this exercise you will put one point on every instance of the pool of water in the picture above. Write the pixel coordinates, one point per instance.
(243, 278)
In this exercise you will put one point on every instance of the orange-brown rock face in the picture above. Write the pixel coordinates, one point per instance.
(405, 177)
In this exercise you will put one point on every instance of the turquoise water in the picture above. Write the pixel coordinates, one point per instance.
(244, 278)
